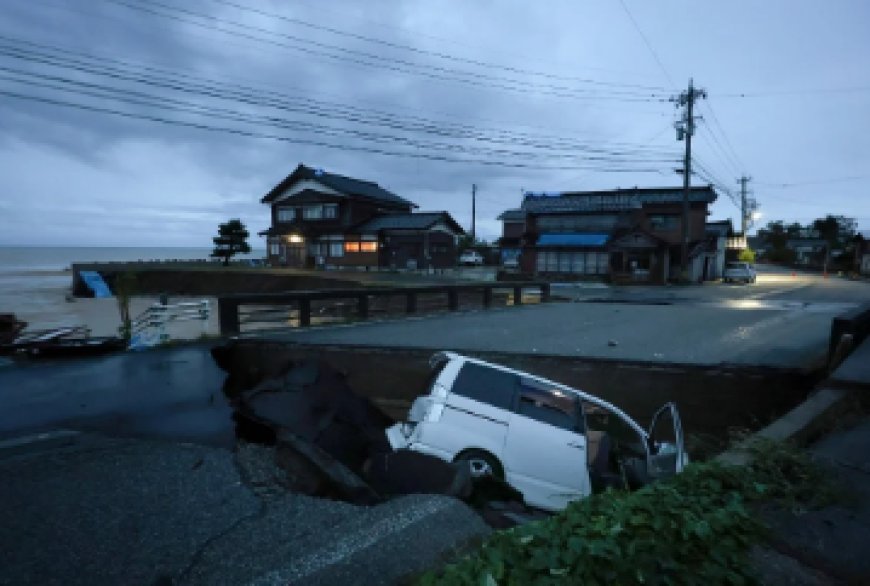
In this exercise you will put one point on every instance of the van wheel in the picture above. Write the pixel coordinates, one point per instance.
(482, 464)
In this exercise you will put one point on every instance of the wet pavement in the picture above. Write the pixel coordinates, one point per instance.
(174, 393)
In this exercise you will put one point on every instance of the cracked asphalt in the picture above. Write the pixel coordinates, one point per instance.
(90, 510)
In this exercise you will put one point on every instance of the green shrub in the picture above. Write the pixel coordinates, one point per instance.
(693, 529)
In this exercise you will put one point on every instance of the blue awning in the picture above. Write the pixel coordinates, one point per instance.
(572, 239)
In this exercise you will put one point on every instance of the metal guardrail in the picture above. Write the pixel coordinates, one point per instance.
(149, 327)
(229, 316)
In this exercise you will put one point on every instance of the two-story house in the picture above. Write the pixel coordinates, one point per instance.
(625, 234)
(329, 220)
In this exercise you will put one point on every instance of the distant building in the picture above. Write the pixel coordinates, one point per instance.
(808, 251)
(322, 219)
(624, 234)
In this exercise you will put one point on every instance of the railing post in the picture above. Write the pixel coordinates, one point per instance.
(487, 296)
(411, 302)
(362, 306)
(228, 316)
(452, 299)
(518, 295)
(304, 312)
(545, 292)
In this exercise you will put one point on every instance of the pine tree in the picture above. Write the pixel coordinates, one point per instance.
(232, 239)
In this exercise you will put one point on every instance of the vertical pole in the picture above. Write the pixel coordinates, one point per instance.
(743, 218)
(452, 299)
(228, 316)
(473, 213)
(487, 296)
(687, 181)
(304, 312)
(363, 306)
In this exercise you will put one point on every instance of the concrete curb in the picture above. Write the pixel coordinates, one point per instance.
(802, 424)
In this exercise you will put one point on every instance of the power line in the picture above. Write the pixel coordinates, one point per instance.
(796, 92)
(733, 152)
(294, 140)
(260, 97)
(432, 53)
(648, 44)
(311, 47)
(143, 99)
(789, 185)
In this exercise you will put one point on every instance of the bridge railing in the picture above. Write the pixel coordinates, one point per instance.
(298, 308)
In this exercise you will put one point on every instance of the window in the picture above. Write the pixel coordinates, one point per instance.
(602, 263)
(368, 246)
(486, 385)
(312, 212)
(351, 246)
(316, 249)
(330, 211)
(336, 249)
(286, 214)
(550, 406)
(664, 222)
(274, 248)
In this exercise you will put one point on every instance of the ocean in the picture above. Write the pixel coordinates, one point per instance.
(34, 280)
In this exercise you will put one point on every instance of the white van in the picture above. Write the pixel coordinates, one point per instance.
(553, 443)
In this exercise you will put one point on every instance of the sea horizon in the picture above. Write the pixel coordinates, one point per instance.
(34, 259)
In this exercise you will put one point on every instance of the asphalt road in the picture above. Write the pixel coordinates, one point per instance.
(782, 320)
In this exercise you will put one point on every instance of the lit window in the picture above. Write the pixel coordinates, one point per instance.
(312, 212)
(368, 246)
(286, 214)
(336, 249)
(330, 211)
(351, 246)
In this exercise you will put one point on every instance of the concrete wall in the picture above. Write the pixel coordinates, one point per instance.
(712, 400)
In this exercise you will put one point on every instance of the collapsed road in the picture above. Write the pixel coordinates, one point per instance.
(324, 440)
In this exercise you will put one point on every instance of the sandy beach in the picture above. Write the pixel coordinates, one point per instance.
(40, 298)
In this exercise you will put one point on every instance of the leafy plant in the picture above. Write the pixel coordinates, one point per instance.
(693, 529)
(125, 287)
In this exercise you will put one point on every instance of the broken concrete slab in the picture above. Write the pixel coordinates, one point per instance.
(314, 403)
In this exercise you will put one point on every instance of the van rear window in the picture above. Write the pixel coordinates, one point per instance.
(486, 385)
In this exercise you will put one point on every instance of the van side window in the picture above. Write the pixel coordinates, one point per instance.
(486, 385)
(550, 406)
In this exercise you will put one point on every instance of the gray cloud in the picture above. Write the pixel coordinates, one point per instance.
(75, 177)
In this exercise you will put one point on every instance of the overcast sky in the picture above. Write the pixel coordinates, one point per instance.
(148, 122)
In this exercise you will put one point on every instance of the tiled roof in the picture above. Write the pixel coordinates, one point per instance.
(515, 215)
(616, 199)
(346, 185)
(418, 221)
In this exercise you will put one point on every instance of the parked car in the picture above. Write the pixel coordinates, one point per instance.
(739, 271)
(470, 257)
(551, 442)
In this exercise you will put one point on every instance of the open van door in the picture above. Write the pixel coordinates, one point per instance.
(667, 455)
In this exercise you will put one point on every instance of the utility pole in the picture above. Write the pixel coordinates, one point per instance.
(744, 210)
(473, 212)
(685, 129)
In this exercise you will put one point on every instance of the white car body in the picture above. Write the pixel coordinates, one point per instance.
(739, 271)
(470, 257)
(532, 431)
